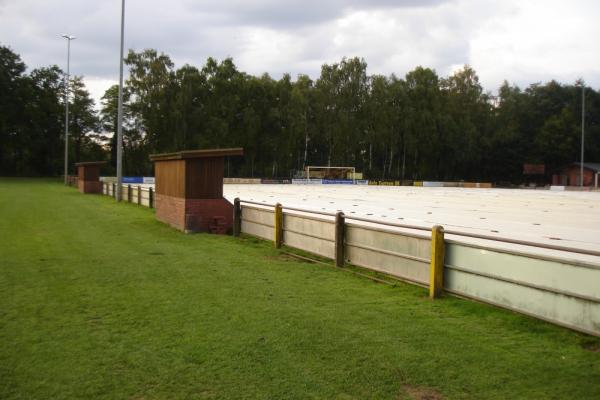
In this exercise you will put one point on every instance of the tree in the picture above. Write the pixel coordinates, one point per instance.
(301, 116)
(13, 95)
(150, 81)
(468, 133)
(381, 136)
(189, 100)
(83, 121)
(424, 143)
(44, 128)
(421, 127)
(135, 153)
(341, 93)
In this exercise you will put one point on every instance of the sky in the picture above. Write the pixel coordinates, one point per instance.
(521, 41)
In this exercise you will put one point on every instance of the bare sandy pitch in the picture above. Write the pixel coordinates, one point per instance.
(559, 218)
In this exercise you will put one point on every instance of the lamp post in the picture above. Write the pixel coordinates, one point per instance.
(120, 111)
(69, 38)
(582, 131)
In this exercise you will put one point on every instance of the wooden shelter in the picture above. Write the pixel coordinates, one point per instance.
(189, 190)
(88, 176)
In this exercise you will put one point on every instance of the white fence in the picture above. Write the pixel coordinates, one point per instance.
(137, 194)
(555, 289)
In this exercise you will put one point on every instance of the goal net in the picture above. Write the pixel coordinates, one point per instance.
(318, 172)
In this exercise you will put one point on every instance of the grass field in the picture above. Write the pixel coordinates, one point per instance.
(98, 300)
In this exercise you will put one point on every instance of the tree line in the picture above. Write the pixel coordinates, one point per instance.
(421, 126)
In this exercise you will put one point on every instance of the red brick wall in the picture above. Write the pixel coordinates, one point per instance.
(200, 213)
(170, 210)
(192, 215)
(89, 186)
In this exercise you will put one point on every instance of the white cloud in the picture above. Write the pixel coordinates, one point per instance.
(539, 41)
(521, 41)
(97, 86)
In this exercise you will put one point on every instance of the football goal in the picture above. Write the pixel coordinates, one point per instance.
(319, 172)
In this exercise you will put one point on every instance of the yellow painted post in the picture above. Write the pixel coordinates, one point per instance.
(436, 268)
(278, 225)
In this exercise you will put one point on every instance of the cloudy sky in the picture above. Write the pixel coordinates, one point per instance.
(522, 41)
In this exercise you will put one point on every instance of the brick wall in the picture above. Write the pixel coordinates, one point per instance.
(192, 215)
(170, 210)
(89, 186)
(200, 213)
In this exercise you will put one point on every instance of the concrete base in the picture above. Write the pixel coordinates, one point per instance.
(195, 215)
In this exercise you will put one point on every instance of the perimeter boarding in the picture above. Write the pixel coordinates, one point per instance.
(554, 288)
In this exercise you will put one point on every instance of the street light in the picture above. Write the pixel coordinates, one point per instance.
(582, 131)
(120, 112)
(69, 38)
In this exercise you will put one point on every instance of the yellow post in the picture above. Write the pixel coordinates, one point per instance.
(436, 268)
(278, 225)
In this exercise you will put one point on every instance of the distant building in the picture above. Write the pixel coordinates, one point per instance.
(569, 175)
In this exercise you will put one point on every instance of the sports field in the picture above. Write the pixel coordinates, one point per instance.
(557, 218)
(99, 300)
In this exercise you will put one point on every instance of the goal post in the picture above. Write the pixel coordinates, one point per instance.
(322, 172)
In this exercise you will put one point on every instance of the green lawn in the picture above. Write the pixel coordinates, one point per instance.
(98, 300)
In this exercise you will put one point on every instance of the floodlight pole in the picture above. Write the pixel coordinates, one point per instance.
(582, 131)
(120, 112)
(67, 77)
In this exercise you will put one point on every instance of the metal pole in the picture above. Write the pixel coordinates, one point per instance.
(237, 217)
(69, 38)
(340, 228)
(120, 111)
(582, 132)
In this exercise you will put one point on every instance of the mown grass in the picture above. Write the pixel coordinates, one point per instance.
(98, 300)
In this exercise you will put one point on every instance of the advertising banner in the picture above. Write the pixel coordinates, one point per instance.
(307, 181)
(133, 179)
(275, 181)
(384, 182)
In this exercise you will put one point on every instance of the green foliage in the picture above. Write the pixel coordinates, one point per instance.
(83, 122)
(421, 127)
(32, 120)
(135, 153)
(98, 300)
